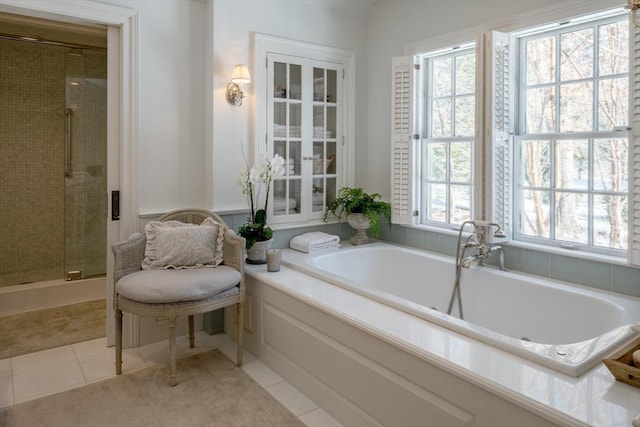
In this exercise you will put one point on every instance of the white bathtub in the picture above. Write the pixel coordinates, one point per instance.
(54, 293)
(571, 328)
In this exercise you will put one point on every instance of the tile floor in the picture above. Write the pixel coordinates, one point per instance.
(28, 377)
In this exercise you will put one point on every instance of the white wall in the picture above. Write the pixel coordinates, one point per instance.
(171, 128)
(335, 23)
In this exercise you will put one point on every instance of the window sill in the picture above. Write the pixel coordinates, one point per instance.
(570, 253)
(442, 230)
(299, 224)
(533, 247)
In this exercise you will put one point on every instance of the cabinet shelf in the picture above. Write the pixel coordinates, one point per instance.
(290, 177)
(279, 100)
(323, 103)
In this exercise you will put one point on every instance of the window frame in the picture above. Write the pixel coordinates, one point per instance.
(426, 61)
(519, 40)
(495, 127)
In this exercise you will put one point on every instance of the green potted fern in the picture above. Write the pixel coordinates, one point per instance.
(362, 210)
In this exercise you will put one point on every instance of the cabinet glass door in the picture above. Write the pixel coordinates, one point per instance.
(287, 137)
(305, 129)
(324, 138)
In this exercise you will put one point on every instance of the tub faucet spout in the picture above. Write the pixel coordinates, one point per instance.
(500, 251)
(466, 262)
(484, 252)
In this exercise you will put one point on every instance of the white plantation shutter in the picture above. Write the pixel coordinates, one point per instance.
(403, 145)
(497, 131)
(634, 145)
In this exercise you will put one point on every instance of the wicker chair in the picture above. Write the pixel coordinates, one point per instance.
(128, 257)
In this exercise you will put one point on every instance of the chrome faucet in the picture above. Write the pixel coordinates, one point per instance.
(484, 249)
(478, 239)
(482, 255)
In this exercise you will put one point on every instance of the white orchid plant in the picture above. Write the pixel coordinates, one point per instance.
(251, 180)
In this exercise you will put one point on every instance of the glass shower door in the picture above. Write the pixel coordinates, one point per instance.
(85, 216)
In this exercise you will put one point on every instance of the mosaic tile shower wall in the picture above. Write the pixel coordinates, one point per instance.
(37, 205)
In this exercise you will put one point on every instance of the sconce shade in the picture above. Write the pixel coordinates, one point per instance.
(240, 74)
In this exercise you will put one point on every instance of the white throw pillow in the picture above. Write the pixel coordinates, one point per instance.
(175, 244)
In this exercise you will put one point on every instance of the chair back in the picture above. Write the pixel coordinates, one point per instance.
(191, 216)
(232, 253)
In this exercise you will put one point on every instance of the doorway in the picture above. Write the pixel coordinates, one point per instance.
(53, 164)
(121, 24)
(52, 151)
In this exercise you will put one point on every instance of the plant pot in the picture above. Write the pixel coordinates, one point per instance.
(257, 253)
(361, 224)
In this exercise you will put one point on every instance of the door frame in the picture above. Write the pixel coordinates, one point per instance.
(122, 117)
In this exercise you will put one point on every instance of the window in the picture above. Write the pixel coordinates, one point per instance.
(572, 148)
(531, 130)
(447, 150)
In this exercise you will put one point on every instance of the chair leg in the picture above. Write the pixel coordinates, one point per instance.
(172, 351)
(192, 337)
(239, 333)
(118, 316)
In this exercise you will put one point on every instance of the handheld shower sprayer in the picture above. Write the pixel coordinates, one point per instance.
(476, 240)
(484, 226)
(499, 233)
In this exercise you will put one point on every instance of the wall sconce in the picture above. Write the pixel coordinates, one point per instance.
(239, 76)
(633, 6)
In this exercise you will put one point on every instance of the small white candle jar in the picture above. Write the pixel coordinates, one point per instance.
(273, 259)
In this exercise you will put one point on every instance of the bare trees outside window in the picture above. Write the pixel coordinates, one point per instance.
(448, 150)
(573, 148)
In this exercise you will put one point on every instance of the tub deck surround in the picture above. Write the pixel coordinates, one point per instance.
(593, 399)
(565, 327)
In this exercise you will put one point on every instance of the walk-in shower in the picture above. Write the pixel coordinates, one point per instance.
(53, 148)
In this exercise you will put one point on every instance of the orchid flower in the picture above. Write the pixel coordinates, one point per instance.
(252, 179)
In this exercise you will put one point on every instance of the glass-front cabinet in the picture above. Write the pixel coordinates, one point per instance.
(305, 128)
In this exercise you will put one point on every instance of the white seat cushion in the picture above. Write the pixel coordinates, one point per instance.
(163, 286)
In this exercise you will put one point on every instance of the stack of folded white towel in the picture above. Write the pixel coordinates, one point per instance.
(280, 204)
(319, 132)
(314, 241)
(295, 131)
(280, 131)
(290, 166)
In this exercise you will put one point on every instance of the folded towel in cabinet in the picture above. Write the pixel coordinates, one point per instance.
(317, 199)
(280, 203)
(314, 241)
